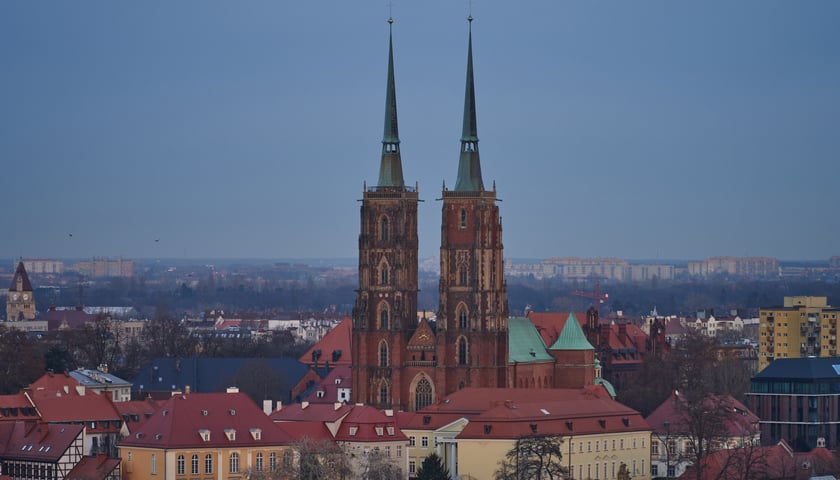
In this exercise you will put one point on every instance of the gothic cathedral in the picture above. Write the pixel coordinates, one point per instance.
(399, 362)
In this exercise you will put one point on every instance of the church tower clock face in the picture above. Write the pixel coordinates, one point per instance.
(15, 296)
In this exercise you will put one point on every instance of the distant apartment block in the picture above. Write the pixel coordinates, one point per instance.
(834, 262)
(802, 327)
(739, 266)
(574, 268)
(100, 267)
(40, 266)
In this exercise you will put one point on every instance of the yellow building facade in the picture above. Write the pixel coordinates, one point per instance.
(205, 464)
(802, 327)
(588, 457)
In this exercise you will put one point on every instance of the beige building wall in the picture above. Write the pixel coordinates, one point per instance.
(145, 463)
(592, 456)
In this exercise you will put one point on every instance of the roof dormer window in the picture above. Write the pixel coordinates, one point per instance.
(379, 431)
(256, 433)
(230, 434)
(353, 431)
(205, 434)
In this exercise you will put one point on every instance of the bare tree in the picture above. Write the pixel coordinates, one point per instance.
(315, 460)
(536, 457)
(380, 467)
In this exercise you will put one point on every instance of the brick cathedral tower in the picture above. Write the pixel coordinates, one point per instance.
(472, 318)
(385, 312)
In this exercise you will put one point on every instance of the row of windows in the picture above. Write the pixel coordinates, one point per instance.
(385, 356)
(603, 445)
(598, 473)
(233, 463)
(424, 441)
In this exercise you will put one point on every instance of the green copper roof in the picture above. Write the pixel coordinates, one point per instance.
(525, 343)
(572, 337)
(607, 385)
(469, 166)
(390, 169)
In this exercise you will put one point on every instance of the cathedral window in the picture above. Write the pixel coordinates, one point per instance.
(462, 319)
(462, 275)
(463, 223)
(384, 229)
(422, 394)
(462, 351)
(383, 319)
(383, 275)
(383, 394)
(383, 354)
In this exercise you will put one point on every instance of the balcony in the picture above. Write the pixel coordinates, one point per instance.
(420, 363)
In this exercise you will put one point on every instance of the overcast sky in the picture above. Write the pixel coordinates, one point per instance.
(643, 129)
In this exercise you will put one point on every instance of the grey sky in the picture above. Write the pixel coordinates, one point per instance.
(636, 129)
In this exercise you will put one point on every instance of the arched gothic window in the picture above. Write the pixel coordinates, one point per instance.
(462, 275)
(383, 354)
(462, 319)
(384, 394)
(422, 394)
(384, 229)
(462, 351)
(463, 223)
(383, 318)
(383, 274)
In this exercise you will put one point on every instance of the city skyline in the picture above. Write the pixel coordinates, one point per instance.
(643, 131)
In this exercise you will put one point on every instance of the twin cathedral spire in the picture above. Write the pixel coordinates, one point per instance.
(399, 360)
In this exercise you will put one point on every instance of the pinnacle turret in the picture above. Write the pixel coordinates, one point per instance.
(469, 166)
(390, 168)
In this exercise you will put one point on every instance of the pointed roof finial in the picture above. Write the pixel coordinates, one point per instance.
(469, 167)
(390, 169)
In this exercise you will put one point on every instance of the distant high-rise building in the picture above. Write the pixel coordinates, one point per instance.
(20, 302)
(735, 266)
(802, 327)
(40, 266)
(98, 267)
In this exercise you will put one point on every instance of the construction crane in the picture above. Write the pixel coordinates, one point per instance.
(596, 295)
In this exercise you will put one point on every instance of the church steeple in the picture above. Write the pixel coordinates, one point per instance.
(469, 166)
(390, 169)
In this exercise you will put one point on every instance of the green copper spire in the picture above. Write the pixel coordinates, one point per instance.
(572, 336)
(390, 169)
(469, 167)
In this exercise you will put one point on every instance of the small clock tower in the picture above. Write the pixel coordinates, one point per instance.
(20, 302)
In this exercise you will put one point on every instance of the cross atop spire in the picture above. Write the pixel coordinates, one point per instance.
(390, 168)
(469, 166)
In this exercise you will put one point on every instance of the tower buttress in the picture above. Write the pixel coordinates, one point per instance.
(385, 312)
(472, 338)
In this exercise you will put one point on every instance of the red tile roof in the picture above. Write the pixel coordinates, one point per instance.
(16, 407)
(328, 387)
(316, 431)
(54, 385)
(550, 324)
(310, 412)
(66, 319)
(136, 412)
(211, 420)
(36, 441)
(367, 424)
(336, 340)
(742, 423)
(513, 413)
(87, 408)
(777, 461)
(94, 468)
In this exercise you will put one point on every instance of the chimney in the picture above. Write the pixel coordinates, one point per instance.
(186, 389)
(389, 412)
(80, 389)
(232, 390)
(267, 407)
(279, 405)
(303, 405)
(336, 405)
